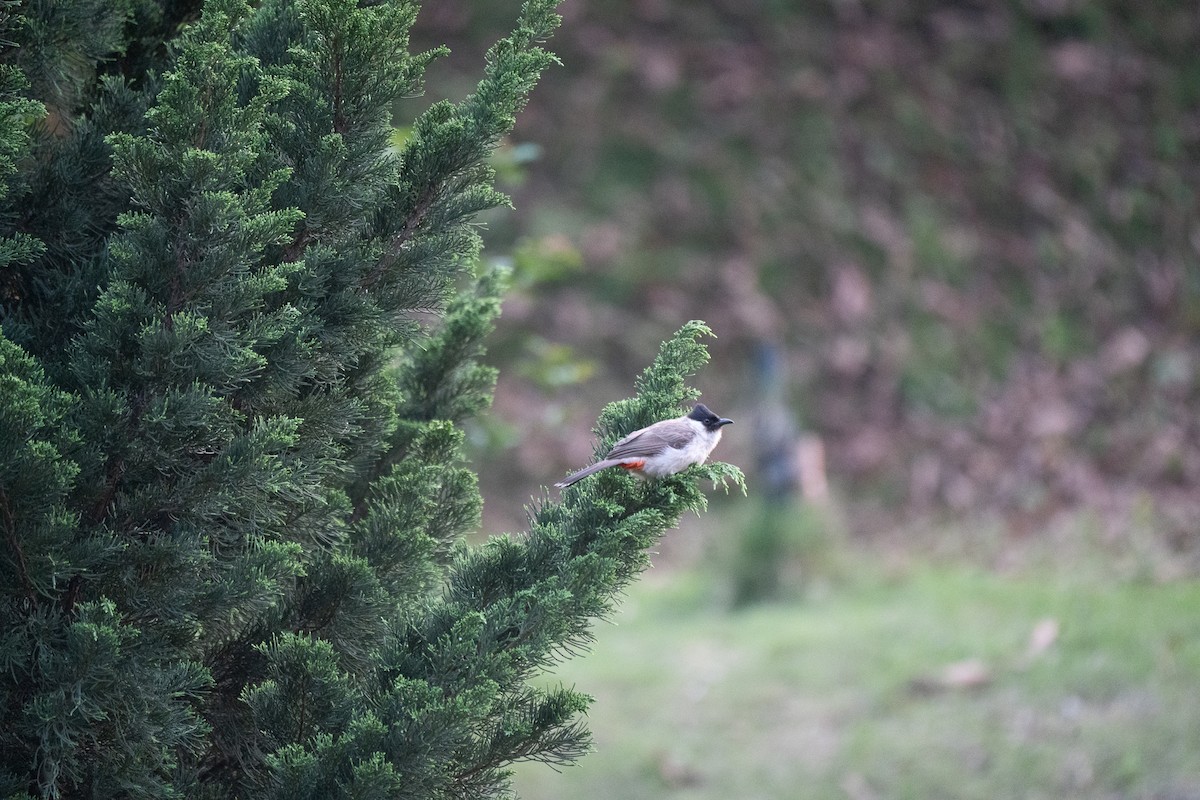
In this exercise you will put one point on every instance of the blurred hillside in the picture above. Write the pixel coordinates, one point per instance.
(970, 228)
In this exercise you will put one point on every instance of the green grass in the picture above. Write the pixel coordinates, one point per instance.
(837, 695)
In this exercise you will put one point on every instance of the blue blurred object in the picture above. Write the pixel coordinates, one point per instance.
(775, 431)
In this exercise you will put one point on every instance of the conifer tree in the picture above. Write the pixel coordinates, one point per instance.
(231, 476)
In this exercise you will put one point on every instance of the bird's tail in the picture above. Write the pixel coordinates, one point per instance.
(583, 473)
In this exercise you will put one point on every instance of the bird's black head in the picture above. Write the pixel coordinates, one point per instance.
(707, 418)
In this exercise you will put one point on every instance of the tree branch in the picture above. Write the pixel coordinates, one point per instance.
(406, 234)
(339, 114)
(14, 545)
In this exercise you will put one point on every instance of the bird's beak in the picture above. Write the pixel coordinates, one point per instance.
(722, 422)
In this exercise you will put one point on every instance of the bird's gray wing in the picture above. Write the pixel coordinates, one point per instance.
(652, 440)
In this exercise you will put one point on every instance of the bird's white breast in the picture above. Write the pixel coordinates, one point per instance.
(676, 459)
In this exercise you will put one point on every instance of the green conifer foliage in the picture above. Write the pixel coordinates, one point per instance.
(231, 477)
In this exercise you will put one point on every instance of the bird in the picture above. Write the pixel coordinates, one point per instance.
(661, 449)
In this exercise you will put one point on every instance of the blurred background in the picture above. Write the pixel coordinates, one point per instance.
(950, 250)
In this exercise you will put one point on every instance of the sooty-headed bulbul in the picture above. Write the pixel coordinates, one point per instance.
(663, 448)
